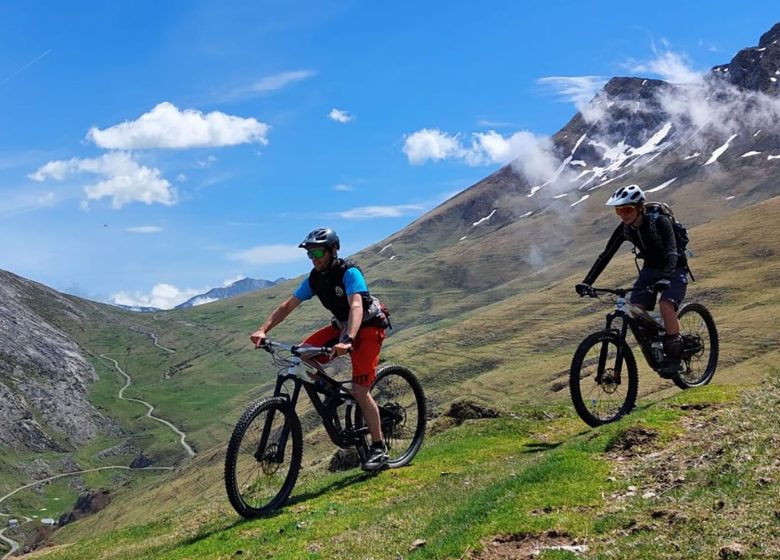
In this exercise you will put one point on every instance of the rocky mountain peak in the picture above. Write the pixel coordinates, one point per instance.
(627, 88)
(756, 68)
(771, 36)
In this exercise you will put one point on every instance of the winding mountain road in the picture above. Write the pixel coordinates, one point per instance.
(10, 542)
(128, 382)
(154, 339)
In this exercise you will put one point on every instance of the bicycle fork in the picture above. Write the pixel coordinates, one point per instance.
(275, 454)
(604, 352)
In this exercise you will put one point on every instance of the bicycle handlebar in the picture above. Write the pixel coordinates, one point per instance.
(622, 292)
(295, 349)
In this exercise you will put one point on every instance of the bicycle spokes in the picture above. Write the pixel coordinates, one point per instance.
(393, 419)
(597, 390)
(402, 412)
(700, 346)
(263, 458)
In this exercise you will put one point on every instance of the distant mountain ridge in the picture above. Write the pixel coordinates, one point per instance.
(237, 288)
(243, 286)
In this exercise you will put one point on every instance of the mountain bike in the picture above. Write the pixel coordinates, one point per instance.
(603, 379)
(265, 451)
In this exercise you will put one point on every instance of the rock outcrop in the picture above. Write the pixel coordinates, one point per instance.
(44, 378)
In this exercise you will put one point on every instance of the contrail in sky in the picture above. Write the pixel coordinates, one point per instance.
(25, 67)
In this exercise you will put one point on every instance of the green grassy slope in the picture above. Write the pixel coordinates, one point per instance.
(680, 478)
(510, 345)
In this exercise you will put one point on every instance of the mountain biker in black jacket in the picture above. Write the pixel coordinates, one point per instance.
(664, 270)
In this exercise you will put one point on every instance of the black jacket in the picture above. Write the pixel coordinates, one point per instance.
(658, 251)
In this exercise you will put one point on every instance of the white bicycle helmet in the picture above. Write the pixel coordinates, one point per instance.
(630, 194)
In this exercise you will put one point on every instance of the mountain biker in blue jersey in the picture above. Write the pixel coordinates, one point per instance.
(664, 270)
(358, 324)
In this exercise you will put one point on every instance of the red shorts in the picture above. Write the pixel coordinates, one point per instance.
(365, 350)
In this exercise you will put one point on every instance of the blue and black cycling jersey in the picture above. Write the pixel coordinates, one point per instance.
(354, 283)
(334, 286)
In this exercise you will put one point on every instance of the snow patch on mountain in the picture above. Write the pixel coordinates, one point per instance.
(486, 218)
(662, 186)
(719, 152)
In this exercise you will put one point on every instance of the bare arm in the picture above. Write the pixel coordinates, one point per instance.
(277, 316)
(353, 323)
(355, 315)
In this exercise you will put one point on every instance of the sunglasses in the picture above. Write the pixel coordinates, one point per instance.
(624, 210)
(316, 253)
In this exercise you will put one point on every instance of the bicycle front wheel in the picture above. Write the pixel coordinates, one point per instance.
(402, 412)
(263, 458)
(599, 394)
(700, 346)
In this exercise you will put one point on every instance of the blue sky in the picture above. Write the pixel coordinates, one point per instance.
(153, 150)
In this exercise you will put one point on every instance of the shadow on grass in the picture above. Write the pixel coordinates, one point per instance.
(333, 487)
(216, 530)
(537, 446)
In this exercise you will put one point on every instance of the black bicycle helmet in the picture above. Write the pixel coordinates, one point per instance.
(321, 237)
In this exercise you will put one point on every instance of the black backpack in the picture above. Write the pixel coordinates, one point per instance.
(655, 209)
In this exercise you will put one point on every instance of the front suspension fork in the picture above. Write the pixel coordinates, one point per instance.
(604, 351)
(278, 453)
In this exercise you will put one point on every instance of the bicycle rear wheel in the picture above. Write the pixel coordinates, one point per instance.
(402, 412)
(263, 458)
(601, 397)
(700, 346)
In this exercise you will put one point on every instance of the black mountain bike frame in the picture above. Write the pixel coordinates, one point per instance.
(326, 395)
(645, 328)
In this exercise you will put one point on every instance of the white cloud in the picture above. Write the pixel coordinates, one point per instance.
(144, 229)
(165, 126)
(487, 148)
(491, 147)
(367, 212)
(431, 144)
(578, 90)
(204, 163)
(24, 200)
(340, 116)
(162, 296)
(671, 67)
(342, 187)
(493, 124)
(230, 281)
(278, 81)
(125, 179)
(203, 300)
(268, 254)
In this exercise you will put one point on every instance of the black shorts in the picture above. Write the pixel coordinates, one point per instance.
(649, 276)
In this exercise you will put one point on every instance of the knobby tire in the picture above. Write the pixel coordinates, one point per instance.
(258, 487)
(584, 390)
(699, 373)
(398, 391)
